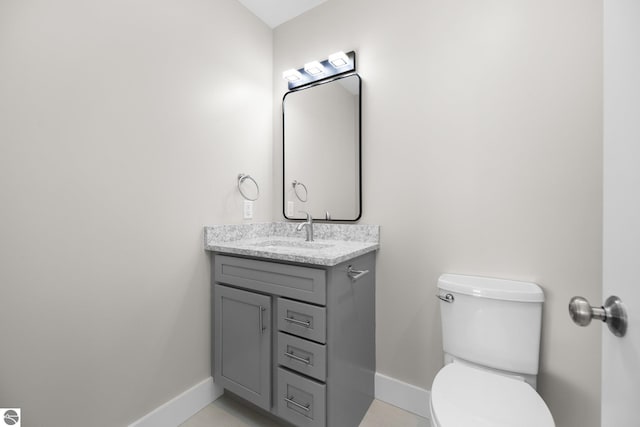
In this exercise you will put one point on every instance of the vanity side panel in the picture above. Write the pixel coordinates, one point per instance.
(351, 342)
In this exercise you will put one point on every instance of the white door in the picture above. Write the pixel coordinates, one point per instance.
(621, 251)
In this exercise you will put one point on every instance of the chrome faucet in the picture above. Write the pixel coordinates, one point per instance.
(307, 225)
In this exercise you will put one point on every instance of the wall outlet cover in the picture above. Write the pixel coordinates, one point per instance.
(247, 209)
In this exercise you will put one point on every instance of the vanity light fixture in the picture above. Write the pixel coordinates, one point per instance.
(292, 75)
(314, 68)
(338, 59)
(338, 63)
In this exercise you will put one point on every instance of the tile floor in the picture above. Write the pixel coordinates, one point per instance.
(229, 412)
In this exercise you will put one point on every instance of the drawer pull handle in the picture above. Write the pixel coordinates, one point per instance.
(306, 323)
(293, 402)
(298, 358)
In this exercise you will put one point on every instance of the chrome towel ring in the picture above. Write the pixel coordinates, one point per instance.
(242, 177)
(297, 184)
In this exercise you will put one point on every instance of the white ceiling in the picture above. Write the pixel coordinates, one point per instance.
(275, 12)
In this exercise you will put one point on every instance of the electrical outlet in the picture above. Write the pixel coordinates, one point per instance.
(289, 209)
(247, 211)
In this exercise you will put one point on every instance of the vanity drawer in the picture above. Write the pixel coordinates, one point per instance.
(303, 320)
(300, 400)
(306, 357)
(304, 283)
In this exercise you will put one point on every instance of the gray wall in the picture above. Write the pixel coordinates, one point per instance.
(482, 129)
(123, 126)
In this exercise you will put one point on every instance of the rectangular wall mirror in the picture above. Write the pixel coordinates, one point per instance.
(321, 150)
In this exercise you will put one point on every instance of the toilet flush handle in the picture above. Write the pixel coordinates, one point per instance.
(446, 298)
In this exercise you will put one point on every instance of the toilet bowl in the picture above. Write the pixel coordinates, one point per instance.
(491, 339)
(465, 396)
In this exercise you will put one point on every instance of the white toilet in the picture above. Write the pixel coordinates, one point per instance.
(491, 338)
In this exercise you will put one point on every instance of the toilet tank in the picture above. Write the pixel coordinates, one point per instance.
(492, 322)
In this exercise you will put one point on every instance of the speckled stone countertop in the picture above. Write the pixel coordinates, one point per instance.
(333, 243)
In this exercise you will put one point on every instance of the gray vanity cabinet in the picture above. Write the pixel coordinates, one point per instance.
(297, 340)
(242, 344)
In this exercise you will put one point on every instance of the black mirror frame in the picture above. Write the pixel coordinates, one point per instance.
(319, 82)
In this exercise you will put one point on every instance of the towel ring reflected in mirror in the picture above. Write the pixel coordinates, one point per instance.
(242, 177)
(297, 184)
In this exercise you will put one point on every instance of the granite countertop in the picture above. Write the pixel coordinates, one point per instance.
(333, 243)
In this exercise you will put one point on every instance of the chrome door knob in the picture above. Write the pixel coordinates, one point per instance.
(582, 312)
(612, 313)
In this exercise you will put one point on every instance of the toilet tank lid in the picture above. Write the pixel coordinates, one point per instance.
(488, 287)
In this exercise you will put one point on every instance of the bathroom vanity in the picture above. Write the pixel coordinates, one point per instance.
(294, 323)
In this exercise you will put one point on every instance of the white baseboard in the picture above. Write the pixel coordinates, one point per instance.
(187, 404)
(182, 407)
(404, 396)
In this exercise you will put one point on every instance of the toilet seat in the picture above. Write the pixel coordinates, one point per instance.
(464, 396)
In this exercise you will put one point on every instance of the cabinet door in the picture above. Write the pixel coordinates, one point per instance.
(242, 344)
